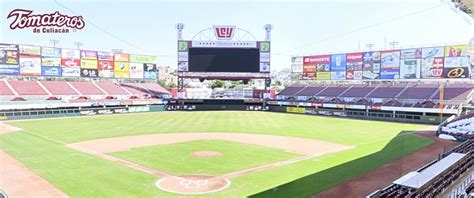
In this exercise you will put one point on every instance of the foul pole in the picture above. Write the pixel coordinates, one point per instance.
(441, 101)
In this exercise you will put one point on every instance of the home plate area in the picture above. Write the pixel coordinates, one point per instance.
(192, 184)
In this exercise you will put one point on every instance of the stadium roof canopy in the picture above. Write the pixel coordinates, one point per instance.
(428, 174)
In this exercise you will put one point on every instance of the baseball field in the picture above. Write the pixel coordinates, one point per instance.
(208, 153)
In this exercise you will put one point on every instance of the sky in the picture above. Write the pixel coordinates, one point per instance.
(299, 27)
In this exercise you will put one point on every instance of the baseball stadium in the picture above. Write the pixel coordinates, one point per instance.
(88, 122)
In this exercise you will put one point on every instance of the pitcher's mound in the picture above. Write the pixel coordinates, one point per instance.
(192, 184)
(205, 154)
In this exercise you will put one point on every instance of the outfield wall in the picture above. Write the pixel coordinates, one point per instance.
(424, 116)
(363, 114)
(76, 111)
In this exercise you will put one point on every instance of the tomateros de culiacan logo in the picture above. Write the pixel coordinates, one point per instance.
(45, 23)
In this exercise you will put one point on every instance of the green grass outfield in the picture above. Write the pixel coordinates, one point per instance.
(41, 148)
(235, 156)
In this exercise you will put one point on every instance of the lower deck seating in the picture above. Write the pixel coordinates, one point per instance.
(55, 90)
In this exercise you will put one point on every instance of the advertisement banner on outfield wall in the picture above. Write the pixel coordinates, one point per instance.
(309, 68)
(106, 65)
(323, 76)
(455, 50)
(30, 50)
(264, 57)
(134, 58)
(410, 69)
(370, 75)
(89, 64)
(183, 66)
(106, 73)
(358, 75)
(390, 74)
(106, 69)
(149, 67)
(136, 70)
(349, 74)
(309, 76)
(295, 109)
(106, 56)
(297, 64)
(70, 54)
(264, 67)
(89, 73)
(149, 75)
(51, 71)
(66, 62)
(357, 66)
(87, 54)
(432, 52)
(432, 67)
(450, 62)
(354, 57)
(338, 75)
(317, 59)
(121, 58)
(71, 71)
(309, 65)
(414, 53)
(371, 57)
(51, 52)
(122, 69)
(371, 70)
(323, 67)
(9, 54)
(30, 65)
(338, 62)
(456, 72)
(50, 62)
(390, 60)
(11, 70)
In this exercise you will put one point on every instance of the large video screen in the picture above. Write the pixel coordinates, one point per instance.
(224, 60)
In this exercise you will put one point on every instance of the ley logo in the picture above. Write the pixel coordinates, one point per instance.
(224, 32)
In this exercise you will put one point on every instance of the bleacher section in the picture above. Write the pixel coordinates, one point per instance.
(457, 91)
(403, 95)
(419, 92)
(41, 90)
(87, 88)
(112, 88)
(358, 91)
(453, 166)
(59, 88)
(27, 88)
(135, 89)
(461, 128)
(386, 91)
(4, 90)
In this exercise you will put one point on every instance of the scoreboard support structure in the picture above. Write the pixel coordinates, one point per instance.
(229, 45)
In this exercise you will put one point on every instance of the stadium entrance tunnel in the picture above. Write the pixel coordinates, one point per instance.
(192, 184)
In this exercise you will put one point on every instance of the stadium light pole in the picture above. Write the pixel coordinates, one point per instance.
(393, 44)
(54, 42)
(370, 45)
(78, 44)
